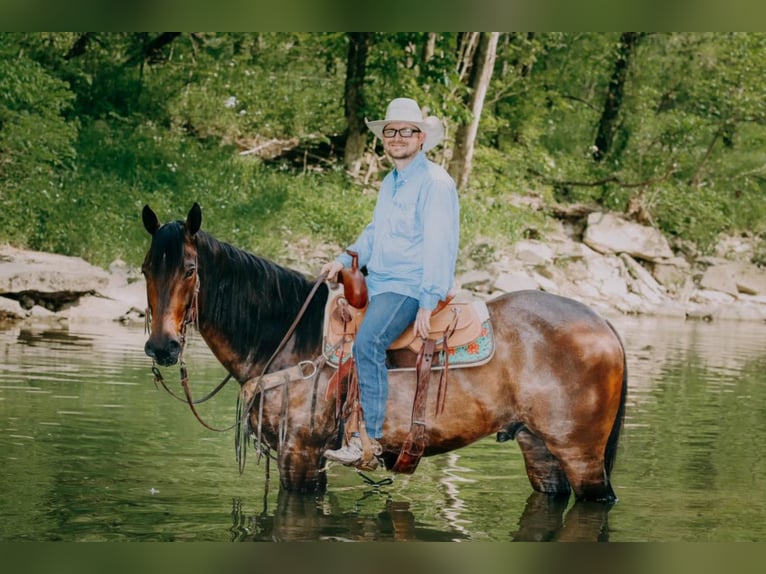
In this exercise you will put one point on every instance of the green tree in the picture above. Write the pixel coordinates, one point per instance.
(37, 147)
(95, 124)
(478, 63)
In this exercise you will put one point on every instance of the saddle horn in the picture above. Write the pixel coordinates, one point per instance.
(354, 284)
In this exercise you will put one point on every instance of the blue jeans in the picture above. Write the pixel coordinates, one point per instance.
(387, 316)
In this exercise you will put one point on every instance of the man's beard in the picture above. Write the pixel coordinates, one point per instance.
(405, 152)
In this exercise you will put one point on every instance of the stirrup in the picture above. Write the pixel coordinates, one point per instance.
(368, 465)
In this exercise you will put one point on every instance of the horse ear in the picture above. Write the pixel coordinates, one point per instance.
(194, 219)
(151, 223)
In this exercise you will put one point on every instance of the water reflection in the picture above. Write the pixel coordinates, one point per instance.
(90, 450)
(546, 519)
(301, 517)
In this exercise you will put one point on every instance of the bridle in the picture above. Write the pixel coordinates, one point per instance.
(243, 407)
(191, 316)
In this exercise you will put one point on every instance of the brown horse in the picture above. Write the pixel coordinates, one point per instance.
(556, 383)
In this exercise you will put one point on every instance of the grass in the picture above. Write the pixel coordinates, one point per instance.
(296, 216)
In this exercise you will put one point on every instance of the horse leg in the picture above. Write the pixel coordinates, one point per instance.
(543, 469)
(557, 474)
(300, 471)
(587, 474)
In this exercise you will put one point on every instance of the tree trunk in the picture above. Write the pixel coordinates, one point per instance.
(356, 133)
(466, 51)
(80, 45)
(429, 48)
(480, 75)
(150, 49)
(607, 126)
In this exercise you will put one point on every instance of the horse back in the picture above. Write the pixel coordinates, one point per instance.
(545, 309)
(558, 327)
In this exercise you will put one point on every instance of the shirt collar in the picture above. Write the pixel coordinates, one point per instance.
(417, 162)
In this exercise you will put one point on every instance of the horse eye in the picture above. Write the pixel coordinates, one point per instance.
(189, 272)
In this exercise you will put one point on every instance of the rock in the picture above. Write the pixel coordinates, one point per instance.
(741, 248)
(669, 309)
(625, 268)
(608, 233)
(533, 252)
(24, 271)
(475, 280)
(546, 283)
(708, 296)
(740, 312)
(699, 313)
(50, 287)
(11, 310)
(507, 282)
(642, 282)
(671, 273)
(607, 275)
(749, 279)
(577, 271)
(569, 250)
(719, 278)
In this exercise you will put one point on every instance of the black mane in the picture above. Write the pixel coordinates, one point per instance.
(250, 299)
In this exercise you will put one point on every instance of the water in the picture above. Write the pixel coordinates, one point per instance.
(91, 451)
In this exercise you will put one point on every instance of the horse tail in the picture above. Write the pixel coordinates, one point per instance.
(610, 452)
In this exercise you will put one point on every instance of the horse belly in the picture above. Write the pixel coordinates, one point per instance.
(474, 408)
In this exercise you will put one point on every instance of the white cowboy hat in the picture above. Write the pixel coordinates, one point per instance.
(408, 110)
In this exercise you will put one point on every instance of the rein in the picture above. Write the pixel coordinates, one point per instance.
(298, 317)
(242, 420)
(192, 316)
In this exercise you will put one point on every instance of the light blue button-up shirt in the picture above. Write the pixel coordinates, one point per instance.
(411, 245)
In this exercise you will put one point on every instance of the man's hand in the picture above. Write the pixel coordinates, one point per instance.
(332, 268)
(423, 322)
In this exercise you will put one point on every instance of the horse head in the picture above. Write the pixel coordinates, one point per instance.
(172, 283)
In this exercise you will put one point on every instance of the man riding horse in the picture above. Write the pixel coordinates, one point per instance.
(409, 249)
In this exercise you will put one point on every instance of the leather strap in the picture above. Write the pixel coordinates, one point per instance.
(441, 395)
(415, 444)
(425, 359)
(297, 320)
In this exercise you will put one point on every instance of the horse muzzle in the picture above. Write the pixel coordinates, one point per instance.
(165, 354)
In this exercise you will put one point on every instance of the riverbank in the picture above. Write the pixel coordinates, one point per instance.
(614, 265)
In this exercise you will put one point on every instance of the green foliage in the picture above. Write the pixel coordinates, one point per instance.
(37, 146)
(699, 215)
(490, 218)
(35, 136)
(95, 125)
(255, 207)
(254, 91)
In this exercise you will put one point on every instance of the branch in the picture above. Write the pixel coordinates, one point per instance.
(80, 45)
(694, 179)
(152, 50)
(611, 179)
(580, 100)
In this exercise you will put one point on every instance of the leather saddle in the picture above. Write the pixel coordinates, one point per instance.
(453, 325)
(460, 321)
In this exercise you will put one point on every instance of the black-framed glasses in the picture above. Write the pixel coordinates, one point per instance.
(404, 132)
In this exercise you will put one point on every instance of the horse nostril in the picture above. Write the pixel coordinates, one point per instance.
(165, 354)
(174, 347)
